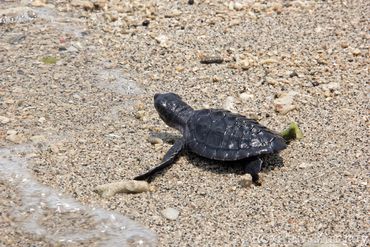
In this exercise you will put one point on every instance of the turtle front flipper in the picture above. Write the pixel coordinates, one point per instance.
(253, 167)
(168, 160)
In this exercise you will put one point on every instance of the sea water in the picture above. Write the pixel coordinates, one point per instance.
(58, 218)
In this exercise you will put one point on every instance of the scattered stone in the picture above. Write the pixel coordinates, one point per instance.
(162, 40)
(86, 5)
(39, 3)
(356, 51)
(245, 64)
(329, 88)
(173, 13)
(238, 6)
(305, 165)
(276, 7)
(246, 97)
(229, 103)
(140, 114)
(38, 139)
(211, 59)
(155, 140)
(284, 103)
(11, 132)
(111, 16)
(344, 44)
(41, 120)
(4, 120)
(315, 83)
(293, 74)
(100, 4)
(179, 68)
(72, 49)
(271, 81)
(15, 137)
(130, 186)
(191, 2)
(216, 79)
(231, 5)
(268, 61)
(112, 135)
(146, 23)
(170, 213)
(54, 148)
(292, 132)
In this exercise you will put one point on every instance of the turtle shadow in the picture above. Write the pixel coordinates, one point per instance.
(165, 136)
(239, 167)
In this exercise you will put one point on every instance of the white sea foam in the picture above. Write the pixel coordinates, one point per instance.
(45, 212)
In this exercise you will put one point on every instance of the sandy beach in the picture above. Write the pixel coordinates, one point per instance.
(77, 80)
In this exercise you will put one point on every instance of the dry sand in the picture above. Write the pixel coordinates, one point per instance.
(87, 118)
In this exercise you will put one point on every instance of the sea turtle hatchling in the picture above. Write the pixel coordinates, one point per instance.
(214, 134)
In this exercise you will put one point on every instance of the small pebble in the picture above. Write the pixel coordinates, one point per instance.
(344, 44)
(245, 64)
(54, 148)
(38, 138)
(284, 103)
(11, 132)
(211, 59)
(87, 5)
(41, 120)
(293, 74)
(15, 137)
(330, 87)
(162, 40)
(39, 3)
(155, 140)
(229, 103)
(246, 97)
(173, 13)
(356, 52)
(146, 23)
(170, 213)
(238, 6)
(4, 120)
(268, 61)
(179, 69)
(191, 2)
(305, 165)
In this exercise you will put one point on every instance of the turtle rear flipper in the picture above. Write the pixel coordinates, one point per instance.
(168, 160)
(253, 167)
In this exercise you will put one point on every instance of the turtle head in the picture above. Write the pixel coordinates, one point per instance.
(172, 110)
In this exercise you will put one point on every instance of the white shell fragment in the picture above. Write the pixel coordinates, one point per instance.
(170, 213)
(130, 186)
(284, 103)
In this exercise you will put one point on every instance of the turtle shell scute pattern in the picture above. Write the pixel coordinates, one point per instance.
(222, 135)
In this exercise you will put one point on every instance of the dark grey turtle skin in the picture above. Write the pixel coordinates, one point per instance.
(214, 134)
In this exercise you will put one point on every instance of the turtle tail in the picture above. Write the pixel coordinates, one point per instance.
(278, 144)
